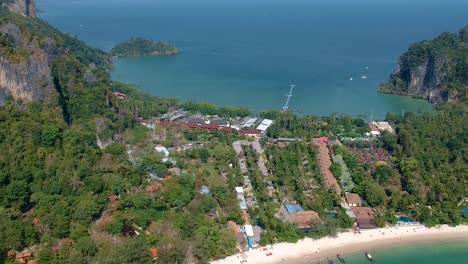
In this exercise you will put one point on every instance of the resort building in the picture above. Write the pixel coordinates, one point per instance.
(353, 199)
(324, 162)
(305, 219)
(266, 123)
(163, 150)
(249, 233)
(364, 217)
(241, 198)
(384, 126)
(252, 132)
(374, 129)
(249, 122)
(220, 122)
(295, 214)
(241, 242)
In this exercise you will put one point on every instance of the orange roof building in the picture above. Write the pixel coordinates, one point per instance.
(304, 219)
(324, 162)
(353, 199)
(153, 252)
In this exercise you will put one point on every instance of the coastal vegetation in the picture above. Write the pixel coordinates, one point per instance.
(82, 182)
(139, 47)
(206, 108)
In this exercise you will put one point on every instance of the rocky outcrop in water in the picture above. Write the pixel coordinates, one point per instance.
(436, 70)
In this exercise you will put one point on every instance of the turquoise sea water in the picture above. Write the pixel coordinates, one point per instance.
(442, 252)
(248, 52)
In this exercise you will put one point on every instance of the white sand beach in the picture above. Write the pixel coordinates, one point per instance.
(347, 242)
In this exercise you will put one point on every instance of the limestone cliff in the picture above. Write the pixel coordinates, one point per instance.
(436, 70)
(40, 63)
(23, 7)
(24, 66)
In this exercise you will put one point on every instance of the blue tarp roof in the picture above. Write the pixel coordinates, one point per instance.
(464, 211)
(242, 203)
(293, 208)
(205, 190)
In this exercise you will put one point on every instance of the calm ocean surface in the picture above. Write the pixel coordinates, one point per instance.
(249, 52)
(425, 253)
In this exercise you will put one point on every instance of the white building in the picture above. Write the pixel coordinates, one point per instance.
(163, 150)
(382, 126)
(266, 123)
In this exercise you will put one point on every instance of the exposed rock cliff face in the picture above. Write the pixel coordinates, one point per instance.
(24, 69)
(23, 7)
(436, 70)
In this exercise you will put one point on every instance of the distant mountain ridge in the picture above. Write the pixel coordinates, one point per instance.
(436, 70)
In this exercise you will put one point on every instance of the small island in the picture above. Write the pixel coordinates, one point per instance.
(140, 47)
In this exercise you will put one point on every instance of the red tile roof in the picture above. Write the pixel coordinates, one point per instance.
(251, 131)
(227, 129)
(209, 126)
(36, 221)
(320, 140)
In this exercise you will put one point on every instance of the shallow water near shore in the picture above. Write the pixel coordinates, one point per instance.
(249, 52)
(440, 252)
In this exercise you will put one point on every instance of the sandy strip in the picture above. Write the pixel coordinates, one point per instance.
(348, 242)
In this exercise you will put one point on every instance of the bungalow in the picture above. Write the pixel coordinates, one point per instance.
(150, 124)
(241, 241)
(384, 126)
(249, 233)
(241, 198)
(112, 198)
(320, 140)
(305, 219)
(163, 150)
(364, 217)
(295, 214)
(374, 129)
(353, 199)
(204, 190)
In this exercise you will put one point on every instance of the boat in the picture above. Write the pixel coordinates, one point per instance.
(364, 77)
(368, 256)
(330, 261)
(341, 258)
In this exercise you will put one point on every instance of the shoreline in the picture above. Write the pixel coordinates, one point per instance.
(310, 250)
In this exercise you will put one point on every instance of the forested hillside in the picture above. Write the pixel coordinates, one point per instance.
(82, 180)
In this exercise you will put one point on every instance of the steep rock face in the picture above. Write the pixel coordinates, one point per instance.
(436, 70)
(424, 80)
(23, 7)
(24, 67)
